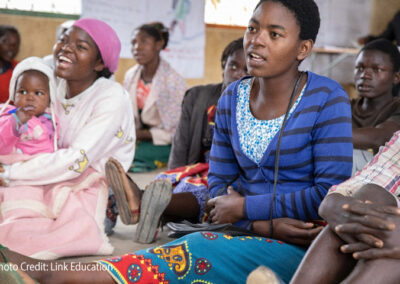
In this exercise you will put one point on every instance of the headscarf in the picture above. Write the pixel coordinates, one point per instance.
(105, 38)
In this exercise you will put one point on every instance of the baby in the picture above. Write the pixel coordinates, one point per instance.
(29, 126)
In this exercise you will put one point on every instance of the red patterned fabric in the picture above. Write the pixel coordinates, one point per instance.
(132, 268)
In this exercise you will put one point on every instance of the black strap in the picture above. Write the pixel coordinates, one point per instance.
(278, 148)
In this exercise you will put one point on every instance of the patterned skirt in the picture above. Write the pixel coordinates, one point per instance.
(205, 257)
(193, 179)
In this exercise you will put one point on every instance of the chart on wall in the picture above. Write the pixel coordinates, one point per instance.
(183, 18)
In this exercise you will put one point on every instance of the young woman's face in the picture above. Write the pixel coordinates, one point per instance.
(373, 74)
(271, 42)
(32, 92)
(145, 48)
(76, 56)
(235, 67)
(9, 46)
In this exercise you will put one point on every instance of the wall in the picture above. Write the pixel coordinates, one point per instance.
(382, 12)
(38, 38)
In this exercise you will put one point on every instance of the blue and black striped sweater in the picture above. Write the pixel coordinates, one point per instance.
(316, 153)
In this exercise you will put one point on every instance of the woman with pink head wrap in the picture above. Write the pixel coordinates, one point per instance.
(60, 205)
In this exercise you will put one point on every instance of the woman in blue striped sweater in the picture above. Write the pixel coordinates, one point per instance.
(309, 114)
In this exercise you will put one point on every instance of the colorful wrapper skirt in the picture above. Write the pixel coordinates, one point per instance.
(193, 179)
(205, 257)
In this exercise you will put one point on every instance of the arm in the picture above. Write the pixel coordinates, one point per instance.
(223, 163)
(181, 143)
(362, 223)
(8, 135)
(364, 220)
(172, 89)
(374, 137)
(92, 145)
(331, 158)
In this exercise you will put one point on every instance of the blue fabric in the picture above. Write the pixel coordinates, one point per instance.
(316, 153)
(228, 259)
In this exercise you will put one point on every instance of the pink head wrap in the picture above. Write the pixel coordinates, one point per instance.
(105, 38)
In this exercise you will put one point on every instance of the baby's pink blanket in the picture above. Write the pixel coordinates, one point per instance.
(57, 220)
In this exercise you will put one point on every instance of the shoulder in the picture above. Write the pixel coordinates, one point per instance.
(229, 94)
(196, 92)
(319, 87)
(396, 104)
(14, 63)
(167, 70)
(110, 92)
(131, 71)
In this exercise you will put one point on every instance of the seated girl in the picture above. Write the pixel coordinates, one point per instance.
(376, 113)
(156, 91)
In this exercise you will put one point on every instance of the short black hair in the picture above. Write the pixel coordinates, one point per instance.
(9, 29)
(231, 48)
(156, 30)
(387, 47)
(306, 13)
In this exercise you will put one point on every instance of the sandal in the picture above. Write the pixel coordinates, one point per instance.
(155, 199)
(119, 182)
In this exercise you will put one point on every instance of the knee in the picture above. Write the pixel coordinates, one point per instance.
(376, 194)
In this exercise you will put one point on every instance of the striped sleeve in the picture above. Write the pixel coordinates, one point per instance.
(329, 161)
(223, 165)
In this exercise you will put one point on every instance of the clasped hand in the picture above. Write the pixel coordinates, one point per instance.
(227, 208)
(370, 230)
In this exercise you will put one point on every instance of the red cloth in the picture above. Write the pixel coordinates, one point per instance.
(5, 82)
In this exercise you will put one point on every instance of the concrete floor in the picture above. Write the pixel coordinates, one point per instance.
(122, 239)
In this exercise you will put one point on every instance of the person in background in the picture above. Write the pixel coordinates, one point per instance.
(375, 113)
(10, 41)
(156, 90)
(391, 33)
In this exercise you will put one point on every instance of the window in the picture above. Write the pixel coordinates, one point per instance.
(220, 12)
(72, 7)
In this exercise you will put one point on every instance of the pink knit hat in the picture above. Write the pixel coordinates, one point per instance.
(105, 38)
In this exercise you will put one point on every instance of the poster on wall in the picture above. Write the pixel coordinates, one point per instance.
(184, 19)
